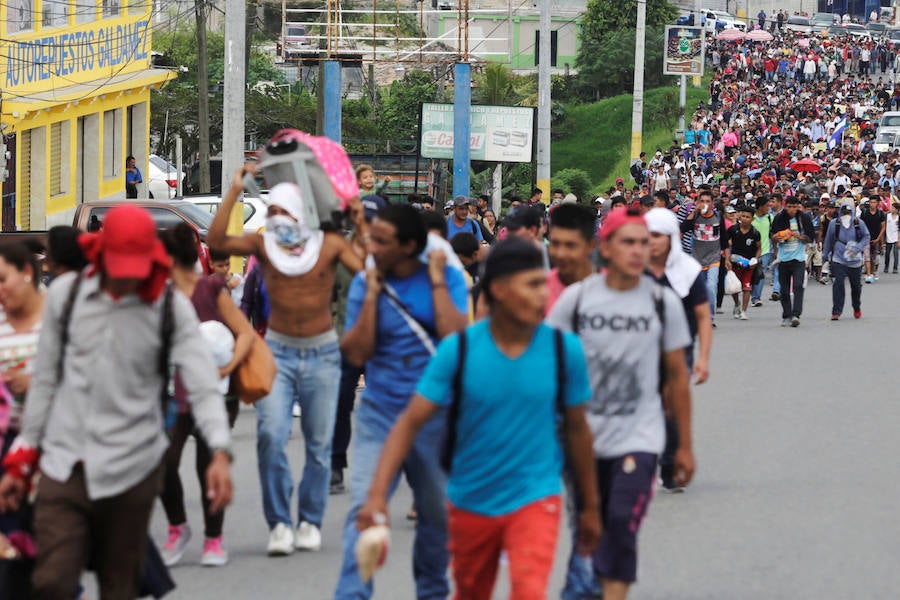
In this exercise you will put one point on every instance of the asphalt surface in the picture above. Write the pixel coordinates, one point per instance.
(795, 496)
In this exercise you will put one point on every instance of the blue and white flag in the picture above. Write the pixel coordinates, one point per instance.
(835, 139)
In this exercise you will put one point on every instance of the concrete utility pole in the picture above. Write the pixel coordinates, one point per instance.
(200, 8)
(637, 107)
(233, 104)
(543, 139)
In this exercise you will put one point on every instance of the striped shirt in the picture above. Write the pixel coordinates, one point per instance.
(17, 352)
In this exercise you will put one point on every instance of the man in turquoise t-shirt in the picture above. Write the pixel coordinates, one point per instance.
(505, 480)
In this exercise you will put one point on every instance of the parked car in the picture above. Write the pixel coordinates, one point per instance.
(885, 141)
(718, 20)
(192, 179)
(877, 30)
(890, 120)
(294, 41)
(167, 214)
(857, 30)
(799, 24)
(162, 178)
(893, 35)
(824, 18)
(255, 210)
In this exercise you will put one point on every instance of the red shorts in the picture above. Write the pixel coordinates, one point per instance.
(745, 275)
(528, 536)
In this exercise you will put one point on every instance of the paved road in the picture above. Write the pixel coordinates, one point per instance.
(795, 498)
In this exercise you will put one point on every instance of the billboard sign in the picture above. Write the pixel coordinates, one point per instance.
(684, 52)
(497, 133)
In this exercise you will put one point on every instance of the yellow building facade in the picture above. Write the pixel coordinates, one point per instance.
(75, 81)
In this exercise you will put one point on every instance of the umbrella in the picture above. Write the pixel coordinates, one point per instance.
(805, 164)
(759, 35)
(731, 35)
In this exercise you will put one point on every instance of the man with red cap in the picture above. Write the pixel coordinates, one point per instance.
(634, 333)
(93, 419)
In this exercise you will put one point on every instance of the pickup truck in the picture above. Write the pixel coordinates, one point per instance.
(167, 214)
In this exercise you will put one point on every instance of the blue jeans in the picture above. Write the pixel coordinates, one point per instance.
(765, 261)
(711, 279)
(428, 481)
(310, 376)
(840, 272)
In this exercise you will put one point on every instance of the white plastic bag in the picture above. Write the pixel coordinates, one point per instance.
(732, 283)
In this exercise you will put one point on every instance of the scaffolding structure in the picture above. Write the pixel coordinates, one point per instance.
(376, 34)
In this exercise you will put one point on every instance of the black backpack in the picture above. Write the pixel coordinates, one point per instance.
(453, 408)
(167, 330)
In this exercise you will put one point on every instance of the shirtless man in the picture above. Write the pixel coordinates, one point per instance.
(299, 267)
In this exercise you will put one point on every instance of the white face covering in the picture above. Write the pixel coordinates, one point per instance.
(845, 220)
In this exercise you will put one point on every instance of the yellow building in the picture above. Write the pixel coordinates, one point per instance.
(75, 81)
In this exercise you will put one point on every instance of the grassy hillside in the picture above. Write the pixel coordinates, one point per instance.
(597, 137)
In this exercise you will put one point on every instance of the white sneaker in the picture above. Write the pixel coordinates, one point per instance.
(744, 316)
(179, 536)
(281, 541)
(308, 537)
(736, 312)
(296, 410)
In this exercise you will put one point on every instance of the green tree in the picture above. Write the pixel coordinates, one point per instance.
(399, 114)
(607, 30)
(609, 70)
(603, 16)
(575, 181)
(496, 86)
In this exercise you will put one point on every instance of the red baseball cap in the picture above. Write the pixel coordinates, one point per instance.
(619, 218)
(130, 245)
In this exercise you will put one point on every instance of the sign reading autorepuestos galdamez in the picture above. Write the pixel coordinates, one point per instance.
(497, 133)
(684, 51)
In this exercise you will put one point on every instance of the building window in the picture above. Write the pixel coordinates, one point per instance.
(85, 11)
(20, 16)
(111, 8)
(112, 143)
(139, 7)
(59, 159)
(55, 13)
(24, 195)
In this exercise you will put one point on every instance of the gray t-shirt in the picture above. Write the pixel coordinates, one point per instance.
(620, 332)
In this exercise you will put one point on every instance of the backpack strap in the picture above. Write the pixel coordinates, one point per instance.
(660, 307)
(64, 319)
(167, 330)
(576, 322)
(453, 406)
(559, 345)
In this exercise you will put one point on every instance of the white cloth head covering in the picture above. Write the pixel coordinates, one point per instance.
(435, 242)
(289, 262)
(220, 342)
(681, 269)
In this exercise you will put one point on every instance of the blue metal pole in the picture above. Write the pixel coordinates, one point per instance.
(332, 117)
(462, 104)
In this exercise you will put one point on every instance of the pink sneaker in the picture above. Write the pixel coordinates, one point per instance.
(179, 536)
(214, 554)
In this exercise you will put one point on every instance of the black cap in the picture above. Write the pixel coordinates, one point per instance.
(508, 257)
(524, 217)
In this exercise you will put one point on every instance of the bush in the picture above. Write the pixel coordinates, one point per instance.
(575, 181)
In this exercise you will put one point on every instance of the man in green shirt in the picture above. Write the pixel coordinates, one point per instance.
(762, 222)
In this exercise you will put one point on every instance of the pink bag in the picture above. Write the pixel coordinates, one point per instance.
(318, 165)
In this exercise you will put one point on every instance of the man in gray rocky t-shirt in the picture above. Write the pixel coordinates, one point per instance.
(616, 318)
